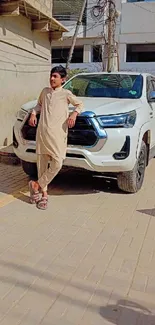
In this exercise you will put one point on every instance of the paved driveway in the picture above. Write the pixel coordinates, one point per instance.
(88, 260)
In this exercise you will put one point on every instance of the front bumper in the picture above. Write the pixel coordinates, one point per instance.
(108, 158)
(102, 160)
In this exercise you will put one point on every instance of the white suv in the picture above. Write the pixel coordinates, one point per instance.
(115, 134)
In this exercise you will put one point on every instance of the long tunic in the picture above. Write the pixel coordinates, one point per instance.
(52, 130)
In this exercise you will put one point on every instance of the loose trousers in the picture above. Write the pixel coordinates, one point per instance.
(48, 168)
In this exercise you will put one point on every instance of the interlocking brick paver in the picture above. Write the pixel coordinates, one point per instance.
(89, 259)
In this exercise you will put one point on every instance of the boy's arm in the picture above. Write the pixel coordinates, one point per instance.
(76, 102)
(72, 99)
(37, 108)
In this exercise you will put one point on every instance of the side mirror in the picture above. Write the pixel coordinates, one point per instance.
(152, 96)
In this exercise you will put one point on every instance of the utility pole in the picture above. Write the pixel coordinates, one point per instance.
(110, 38)
(106, 10)
(75, 34)
(111, 51)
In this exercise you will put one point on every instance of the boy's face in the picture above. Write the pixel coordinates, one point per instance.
(56, 80)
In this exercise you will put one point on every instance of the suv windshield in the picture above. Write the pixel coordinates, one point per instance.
(106, 85)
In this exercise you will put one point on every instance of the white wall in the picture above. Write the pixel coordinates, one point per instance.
(137, 27)
(138, 18)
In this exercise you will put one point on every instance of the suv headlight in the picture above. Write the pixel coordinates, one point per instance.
(125, 120)
(21, 115)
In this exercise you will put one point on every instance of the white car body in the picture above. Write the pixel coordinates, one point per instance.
(111, 140)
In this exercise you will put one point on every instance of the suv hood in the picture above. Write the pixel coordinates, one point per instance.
(29, 105)
(100, 106)
(106, 106)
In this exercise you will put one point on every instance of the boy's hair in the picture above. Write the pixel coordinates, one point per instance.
(59, 69)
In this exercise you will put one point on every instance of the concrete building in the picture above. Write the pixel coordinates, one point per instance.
(88, 51)
(135, 34)
(26, 30)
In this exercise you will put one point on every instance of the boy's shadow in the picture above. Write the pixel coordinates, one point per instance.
(126, 312)
(68, 182)
(71, 182)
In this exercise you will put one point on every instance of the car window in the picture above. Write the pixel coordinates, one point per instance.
(77, 86)
(106, 85)
(149, 86)
(153, 84)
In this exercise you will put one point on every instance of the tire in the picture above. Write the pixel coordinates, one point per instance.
(29, 168)
(132, 181)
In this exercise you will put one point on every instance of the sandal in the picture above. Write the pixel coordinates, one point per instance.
(34, 195)
(42, 204)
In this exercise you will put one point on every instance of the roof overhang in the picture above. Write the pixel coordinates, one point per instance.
(41, 18)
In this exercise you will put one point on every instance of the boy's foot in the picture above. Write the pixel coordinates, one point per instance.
(43, 203)
(34, 194)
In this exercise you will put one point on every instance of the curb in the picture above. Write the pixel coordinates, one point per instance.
(7, 156)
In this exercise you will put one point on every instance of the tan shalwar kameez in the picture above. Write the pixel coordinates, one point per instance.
(51, 139)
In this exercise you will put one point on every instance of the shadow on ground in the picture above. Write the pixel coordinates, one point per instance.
(68, 182)
(83, 182)
(150, 212)
(126, 312)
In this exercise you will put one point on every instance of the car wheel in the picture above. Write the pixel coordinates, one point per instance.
(132, 181)
(29, 168)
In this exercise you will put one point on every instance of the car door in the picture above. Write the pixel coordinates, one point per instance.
(151, 87)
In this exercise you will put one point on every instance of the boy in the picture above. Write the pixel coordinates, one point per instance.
(51, 139)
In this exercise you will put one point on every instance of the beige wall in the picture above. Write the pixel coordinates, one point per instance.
(24, 68)
(45, 6)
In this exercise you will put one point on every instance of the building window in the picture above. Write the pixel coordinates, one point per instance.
(60, 55)
(97, 53)
(140, 53)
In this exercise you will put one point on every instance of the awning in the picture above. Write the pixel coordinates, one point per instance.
(40, 15)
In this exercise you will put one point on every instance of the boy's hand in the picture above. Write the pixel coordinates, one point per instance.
(33, 120)
(72, 119)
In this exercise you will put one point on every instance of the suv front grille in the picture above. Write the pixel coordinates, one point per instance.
(29, 132)
(82, 134)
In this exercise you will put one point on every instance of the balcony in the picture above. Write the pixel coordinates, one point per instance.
(67, 14)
